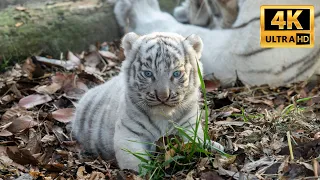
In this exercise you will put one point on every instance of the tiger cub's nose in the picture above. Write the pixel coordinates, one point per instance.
(162, 95)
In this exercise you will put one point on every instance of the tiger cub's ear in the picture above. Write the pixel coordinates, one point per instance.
(196, 43)
(128, 40)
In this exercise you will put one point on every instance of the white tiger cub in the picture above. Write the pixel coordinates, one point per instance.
(213, 14)
(232, 54)
(158, 83)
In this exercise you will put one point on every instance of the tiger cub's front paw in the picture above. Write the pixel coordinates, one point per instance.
(214, 146)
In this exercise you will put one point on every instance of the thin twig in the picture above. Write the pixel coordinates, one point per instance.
(290, 146)
(315, 167)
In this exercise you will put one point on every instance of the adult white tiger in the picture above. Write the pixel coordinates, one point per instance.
(232, 53)
(158, 83)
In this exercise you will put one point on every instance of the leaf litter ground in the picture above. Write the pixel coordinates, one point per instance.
(271, 133)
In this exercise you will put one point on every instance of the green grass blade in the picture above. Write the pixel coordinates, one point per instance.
(304, 99)
(175, 158)
(137, 155)
(203, 88)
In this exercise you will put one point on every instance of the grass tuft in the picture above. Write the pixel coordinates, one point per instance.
(294, 107)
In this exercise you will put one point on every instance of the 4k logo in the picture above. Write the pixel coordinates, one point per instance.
(287, 26)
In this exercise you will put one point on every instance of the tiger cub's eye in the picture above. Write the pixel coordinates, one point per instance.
(148, 73)
(176, 74)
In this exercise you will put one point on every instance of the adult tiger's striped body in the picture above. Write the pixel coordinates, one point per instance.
(158, 82)
(234, 53)
(213, 14)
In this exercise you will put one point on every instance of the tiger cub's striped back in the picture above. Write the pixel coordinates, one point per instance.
(158, 83)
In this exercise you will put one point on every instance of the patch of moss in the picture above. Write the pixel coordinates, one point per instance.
(6, 18)
(168, 5)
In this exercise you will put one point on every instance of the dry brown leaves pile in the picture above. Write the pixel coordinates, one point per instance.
(254, 123)
(38, 98)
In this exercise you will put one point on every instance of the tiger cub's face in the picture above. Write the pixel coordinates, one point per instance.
(161, 68)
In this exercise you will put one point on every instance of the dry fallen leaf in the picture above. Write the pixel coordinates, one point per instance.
(295, 171)
(34, 100)
(108, 54)
(317, 135)
(111, 63)
(6, 99)
(230, 123)
(29, 67)
(5, 126)
(204, 162)
(21, 156)
(20, 8)
(73, 58)
(51, 89)
(69, 82)
(169, 154)
(93, 60)
(65, 80)
(69, 65)
(63, 115)
(190, 175)
(2, 85)
(5, 160)
(206, 175)
(304, 150)
(16, 91)
(13, 112)
(95, 72)
(81, 171)
(58, 132)
(21, 123)
(257, 101)
(48, 139)
(5, 133)
(211, 85)
(32, 68)
(82, 86)
(18, 24)
(35, 174)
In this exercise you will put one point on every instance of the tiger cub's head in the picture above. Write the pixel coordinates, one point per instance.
(161, 70)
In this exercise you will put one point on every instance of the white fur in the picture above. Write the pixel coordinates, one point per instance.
(112, 117)
(213, 14)
(224, 50)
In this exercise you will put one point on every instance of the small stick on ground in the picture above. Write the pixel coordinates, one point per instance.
(290, 146)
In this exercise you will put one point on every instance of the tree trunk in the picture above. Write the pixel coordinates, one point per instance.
(47, 28)
(56, 28)
(7, 3)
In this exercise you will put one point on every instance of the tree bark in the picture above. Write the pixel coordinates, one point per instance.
(44, 28)
(7, 3)
(56, 28)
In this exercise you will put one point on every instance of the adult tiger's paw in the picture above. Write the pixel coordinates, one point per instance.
(181, 14)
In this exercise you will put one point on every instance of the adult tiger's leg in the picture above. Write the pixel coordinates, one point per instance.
(121, 10)
(181, 12)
